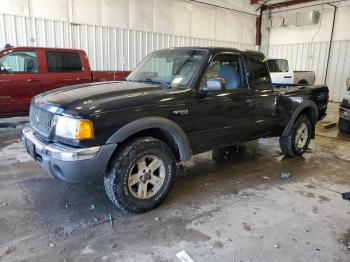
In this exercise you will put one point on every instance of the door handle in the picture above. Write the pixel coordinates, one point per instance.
(287, 77)
(33, 80)
(249, 101)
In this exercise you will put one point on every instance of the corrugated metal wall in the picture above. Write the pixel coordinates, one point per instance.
(108, 48)
(313, 56)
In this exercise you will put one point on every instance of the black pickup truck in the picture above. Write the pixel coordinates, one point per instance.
(176, 103)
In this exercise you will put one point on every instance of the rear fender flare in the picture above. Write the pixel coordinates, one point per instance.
(167, 126)
(304, 105)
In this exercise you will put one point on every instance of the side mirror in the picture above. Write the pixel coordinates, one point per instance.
(214, 85)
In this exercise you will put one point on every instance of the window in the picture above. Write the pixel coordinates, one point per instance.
(229, 68)
(24, 62)
(259, 74)
(277, 65)
(61, 62)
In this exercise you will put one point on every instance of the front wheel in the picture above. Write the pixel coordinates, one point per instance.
(141, 175)
(297, 142)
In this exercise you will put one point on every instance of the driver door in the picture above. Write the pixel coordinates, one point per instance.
(225, 117)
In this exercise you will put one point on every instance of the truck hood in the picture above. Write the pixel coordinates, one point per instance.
(97, 98)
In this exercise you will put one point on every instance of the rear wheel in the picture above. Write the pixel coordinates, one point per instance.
(303, 82)
(141, 175)
(297, 142)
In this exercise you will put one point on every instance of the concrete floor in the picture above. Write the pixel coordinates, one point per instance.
(236, 210)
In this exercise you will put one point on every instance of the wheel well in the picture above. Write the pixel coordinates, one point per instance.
(309, 111)
(156, 133)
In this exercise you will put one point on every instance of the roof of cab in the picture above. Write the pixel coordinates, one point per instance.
(220, 49)
(40, 48)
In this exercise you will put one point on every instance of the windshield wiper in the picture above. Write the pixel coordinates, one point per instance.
(150, 80)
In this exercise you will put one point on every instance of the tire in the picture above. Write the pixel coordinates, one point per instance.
(303, 82)
(289, 144)
(131, 162)
(344, 125)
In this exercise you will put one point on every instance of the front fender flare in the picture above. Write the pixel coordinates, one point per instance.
(166, 125)
(304, 105)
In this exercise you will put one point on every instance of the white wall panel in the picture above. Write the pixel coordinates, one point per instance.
(108, 48)
(203, 20)
(56, 10)
(115, 13)
(16, 7)
(87, 12)
(314, 56)
(141, 15)
(174, 17)
(164, 23)
(182, 18)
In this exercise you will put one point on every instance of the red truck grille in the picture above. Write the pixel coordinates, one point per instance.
(41, 120)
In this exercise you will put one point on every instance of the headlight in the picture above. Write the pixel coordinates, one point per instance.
(71, 128)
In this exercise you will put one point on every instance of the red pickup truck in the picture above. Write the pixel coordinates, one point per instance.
(28, 71)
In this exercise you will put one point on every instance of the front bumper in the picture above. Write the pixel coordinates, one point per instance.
(77, 165)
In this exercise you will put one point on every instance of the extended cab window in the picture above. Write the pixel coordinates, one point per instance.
(227, 67)
(258, 72)
(24, 62)
(63, 62)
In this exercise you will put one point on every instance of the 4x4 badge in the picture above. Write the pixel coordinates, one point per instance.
(181, 112)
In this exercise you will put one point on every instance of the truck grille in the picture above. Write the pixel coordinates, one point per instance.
(41, 120)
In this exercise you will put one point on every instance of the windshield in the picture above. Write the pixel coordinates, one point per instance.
(170, 68)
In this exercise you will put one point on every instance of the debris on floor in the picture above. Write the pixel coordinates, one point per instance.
(7, 251)
(280, 158)
(327, 124)
(276, 245)
(266, 178)
(92, 207)
(87, 251)
(285, 175)
(184, 257)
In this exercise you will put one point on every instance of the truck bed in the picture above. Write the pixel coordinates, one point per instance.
(316, 93)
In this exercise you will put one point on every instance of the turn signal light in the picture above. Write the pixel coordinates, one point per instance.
(85, 130)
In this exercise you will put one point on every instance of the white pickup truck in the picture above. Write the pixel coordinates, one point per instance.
(282, 75)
